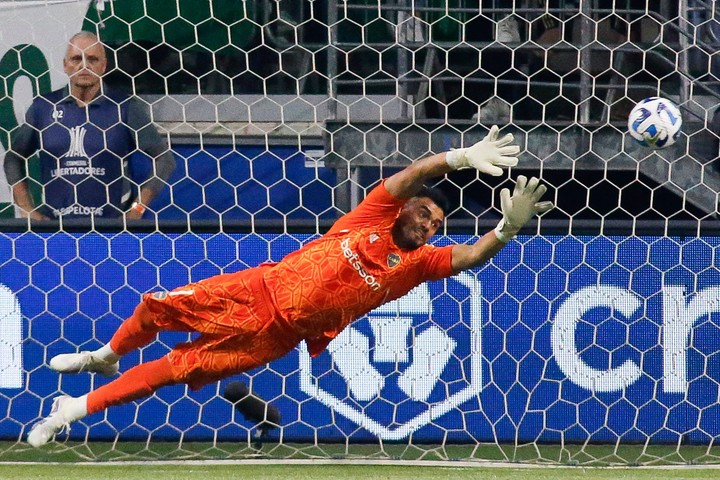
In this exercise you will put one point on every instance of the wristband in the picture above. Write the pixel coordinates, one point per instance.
(138, 207)
(503, 233)
(455, 158)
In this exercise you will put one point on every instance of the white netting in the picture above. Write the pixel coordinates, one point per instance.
(592, 341)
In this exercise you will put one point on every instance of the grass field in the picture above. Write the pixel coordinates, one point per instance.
(239, 469)
(602, 455)
(233, 460)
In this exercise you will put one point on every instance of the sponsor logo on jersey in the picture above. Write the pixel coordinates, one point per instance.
(374, 237)
(393, 260)
(354, 260)
(57, 114)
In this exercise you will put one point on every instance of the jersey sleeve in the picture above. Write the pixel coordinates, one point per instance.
(379, 206)
(151, 142)
(437, 263)
(24, 142)
(139, 121)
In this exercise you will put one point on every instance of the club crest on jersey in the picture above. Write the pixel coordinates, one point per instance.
(393, 260)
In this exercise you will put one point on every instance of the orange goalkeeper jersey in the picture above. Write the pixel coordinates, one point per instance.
(352, 269)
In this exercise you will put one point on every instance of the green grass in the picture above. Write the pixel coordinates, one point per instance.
(568, 455)
(342, 472)
(104, 460)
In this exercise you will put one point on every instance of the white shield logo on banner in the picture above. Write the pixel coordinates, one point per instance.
(356, 356)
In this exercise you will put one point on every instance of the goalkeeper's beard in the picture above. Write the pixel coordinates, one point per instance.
(408, 236)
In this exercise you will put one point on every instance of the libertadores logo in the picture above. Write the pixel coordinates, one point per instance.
(392, 374)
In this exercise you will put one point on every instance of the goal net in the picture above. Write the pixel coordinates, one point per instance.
(590, 339)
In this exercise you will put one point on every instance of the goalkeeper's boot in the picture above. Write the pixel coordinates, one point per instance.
(83, 362)
(59, 418)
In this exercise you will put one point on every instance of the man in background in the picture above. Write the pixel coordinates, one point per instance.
(85, 134)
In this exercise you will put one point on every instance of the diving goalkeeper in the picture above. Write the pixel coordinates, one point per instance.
(376, 253)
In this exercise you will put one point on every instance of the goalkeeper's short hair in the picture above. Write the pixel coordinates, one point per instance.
(437, 196)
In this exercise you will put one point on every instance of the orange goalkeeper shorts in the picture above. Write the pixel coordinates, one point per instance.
(238, 325)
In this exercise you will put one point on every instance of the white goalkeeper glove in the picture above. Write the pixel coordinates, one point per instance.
(521, 207)
(487, 156)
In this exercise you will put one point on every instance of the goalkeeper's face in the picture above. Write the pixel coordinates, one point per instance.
(85, 62)
(418, 221)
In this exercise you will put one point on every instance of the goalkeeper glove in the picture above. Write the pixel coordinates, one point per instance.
(487, 156)
(521, 207)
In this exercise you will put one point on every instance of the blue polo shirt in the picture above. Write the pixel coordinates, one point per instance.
(84, 151)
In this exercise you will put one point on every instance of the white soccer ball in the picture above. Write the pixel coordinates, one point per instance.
(655, 122)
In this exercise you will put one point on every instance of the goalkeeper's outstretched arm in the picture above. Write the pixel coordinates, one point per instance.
(517, 210)
(490, 155)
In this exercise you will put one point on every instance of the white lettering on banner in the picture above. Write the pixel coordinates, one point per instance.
(679, 316)
(10, 340)
(563, 339)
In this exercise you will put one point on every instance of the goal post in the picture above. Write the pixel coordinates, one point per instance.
(590, 338)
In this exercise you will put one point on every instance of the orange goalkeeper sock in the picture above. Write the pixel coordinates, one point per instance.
(138, 330)
(138, 382)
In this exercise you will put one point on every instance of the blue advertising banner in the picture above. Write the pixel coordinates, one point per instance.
(574, 338)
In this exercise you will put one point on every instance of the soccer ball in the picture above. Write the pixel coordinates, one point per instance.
(655, 122)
